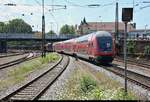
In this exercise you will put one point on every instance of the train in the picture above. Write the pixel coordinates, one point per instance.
(97, 46)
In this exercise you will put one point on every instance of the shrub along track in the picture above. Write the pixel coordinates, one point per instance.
(36, 88)
(18, 61)
(134, 77)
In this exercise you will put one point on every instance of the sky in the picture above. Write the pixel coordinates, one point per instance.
(75, 12)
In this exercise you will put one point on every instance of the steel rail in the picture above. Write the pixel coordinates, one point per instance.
(12, 63)
(143, 64)
(11, 55)
(137, 78)
(34, 89)
(15, 62)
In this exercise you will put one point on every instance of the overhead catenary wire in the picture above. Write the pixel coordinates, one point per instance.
(50, 13)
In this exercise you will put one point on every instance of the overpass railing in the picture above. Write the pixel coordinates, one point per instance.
(34, 36)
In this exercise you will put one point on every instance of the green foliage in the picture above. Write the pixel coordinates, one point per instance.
(15, 26)
(83, 86)
(90, 90)
(87, 84)
(109, 94)
(18, 74)
(67, 29)
(147, 49)
(49, 58)
(131, 47)
(2, 27)
(19, 26)
(51, 32)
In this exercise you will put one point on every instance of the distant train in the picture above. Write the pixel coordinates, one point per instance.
(49, 47)
(98, 46)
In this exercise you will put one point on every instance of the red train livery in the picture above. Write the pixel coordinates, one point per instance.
(98, 46)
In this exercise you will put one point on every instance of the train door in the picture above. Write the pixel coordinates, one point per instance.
(90, 46)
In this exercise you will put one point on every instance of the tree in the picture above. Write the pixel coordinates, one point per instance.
(15, 26)
(18, 26)
(147, 50)
(2, 25)
(131, 47)
(51, 32)
(67, 29)
(72, 30)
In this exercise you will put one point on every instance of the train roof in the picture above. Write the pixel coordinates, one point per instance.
(102, 34)
(96, 34)
(84, 37)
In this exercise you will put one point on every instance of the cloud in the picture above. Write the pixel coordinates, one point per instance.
(27, 7)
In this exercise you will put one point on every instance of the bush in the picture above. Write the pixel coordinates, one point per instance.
(49, 58)
(131, 47)
(147, 50)
(87, 84)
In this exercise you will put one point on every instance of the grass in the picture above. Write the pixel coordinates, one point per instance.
(19, 73)
(83, 86)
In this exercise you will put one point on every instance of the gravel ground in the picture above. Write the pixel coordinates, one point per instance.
(11, 58)
(29, 77)
(135, 68)
(139, 91)
(3, 72)
(4, 54)
(57, 88)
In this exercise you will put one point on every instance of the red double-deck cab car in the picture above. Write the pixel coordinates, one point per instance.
(98, 46)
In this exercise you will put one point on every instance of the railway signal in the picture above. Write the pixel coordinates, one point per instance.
(127, 16)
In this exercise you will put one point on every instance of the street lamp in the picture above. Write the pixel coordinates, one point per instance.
(101, 22)
(145, 28)
(145, 31)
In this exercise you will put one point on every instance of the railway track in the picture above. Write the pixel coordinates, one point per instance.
(131, 61)
(138, 79)
(36, 88)
(9, 55)
(18, 61)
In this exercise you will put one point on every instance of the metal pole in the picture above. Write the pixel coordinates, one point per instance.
(125, 56)
(51, 25)
(96, 26)
(145, 28)
(116, 23)
(43, 31)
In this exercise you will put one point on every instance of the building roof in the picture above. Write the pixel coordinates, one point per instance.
(107, 26)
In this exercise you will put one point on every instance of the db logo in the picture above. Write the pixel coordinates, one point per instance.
(108, 45)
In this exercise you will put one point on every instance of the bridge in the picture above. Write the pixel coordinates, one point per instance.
(48, 37)
(6, 37)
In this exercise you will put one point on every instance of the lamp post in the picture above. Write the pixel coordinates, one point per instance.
(145, 28)
(43, 31)
(51, 23)
(101, 21)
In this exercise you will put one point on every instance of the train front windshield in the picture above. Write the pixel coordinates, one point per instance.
(105, 43)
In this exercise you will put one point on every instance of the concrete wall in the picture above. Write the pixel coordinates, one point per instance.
(139, 45)
(3, 46)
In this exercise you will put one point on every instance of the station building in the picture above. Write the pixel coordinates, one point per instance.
(85, 28)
